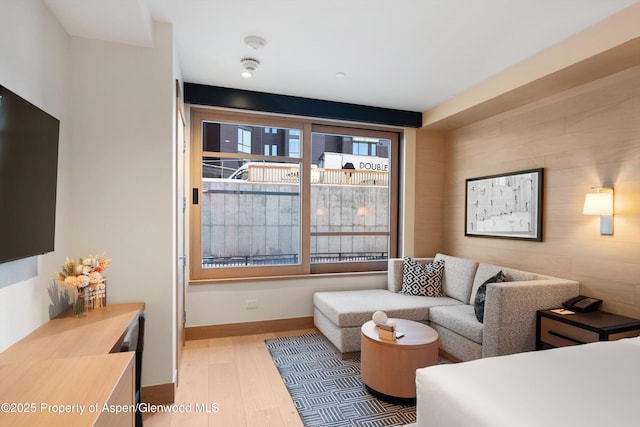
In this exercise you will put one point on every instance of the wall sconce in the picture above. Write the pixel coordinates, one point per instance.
(601, 203)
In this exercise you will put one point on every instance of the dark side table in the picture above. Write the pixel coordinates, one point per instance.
(559, 330)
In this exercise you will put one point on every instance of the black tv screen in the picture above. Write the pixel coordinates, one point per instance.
(28, 178)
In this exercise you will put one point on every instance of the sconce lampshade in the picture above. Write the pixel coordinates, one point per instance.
(600, 203)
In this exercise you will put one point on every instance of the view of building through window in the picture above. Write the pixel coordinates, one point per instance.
(252, 195)
(250, 207)
(349, 198)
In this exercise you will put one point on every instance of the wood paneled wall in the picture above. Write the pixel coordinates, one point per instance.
(584, 137)
(429, 193)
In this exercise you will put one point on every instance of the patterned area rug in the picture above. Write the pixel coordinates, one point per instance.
(328, 391)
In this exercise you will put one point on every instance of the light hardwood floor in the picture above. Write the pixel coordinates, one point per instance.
(234, 376)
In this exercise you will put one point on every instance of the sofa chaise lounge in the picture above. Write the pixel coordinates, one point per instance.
(509, 313)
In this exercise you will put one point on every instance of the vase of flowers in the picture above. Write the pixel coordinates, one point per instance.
(77, 274)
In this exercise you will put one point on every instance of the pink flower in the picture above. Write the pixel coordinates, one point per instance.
(95, 277)
(76, 281)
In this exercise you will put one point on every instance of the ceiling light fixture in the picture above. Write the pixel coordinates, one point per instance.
(254, 42)
(340, 74)
(250, 65)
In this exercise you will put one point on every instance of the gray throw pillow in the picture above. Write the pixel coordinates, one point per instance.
(422, 279)
(478, 304)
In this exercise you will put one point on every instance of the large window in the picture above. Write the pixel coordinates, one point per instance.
(275, 196)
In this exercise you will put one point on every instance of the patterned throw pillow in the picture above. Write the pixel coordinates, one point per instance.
(422, 280)
(478, 305)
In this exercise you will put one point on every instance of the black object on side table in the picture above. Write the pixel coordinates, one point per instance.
(559, 330)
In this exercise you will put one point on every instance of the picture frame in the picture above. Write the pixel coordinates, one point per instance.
(505, 206)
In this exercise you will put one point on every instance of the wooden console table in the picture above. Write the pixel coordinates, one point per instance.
(73, 365)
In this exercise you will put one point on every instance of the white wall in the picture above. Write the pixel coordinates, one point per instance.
(123, 176)
(277, 299)
(34, 63)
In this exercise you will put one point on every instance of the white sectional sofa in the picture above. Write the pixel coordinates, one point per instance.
(509, 314)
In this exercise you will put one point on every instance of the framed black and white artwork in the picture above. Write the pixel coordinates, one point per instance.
(507, 206)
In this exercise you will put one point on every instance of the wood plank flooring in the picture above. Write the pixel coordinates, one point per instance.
(236, 380)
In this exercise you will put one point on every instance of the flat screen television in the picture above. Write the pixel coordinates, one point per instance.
(28, 178)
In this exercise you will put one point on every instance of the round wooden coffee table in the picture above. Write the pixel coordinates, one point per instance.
(389, 367)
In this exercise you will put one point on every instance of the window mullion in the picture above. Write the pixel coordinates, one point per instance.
(305, 207)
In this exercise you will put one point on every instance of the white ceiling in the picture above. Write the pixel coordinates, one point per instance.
(404, 54)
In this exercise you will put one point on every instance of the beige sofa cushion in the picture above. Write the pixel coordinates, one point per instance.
(355, 308)
(460, 319)
(458, 276)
